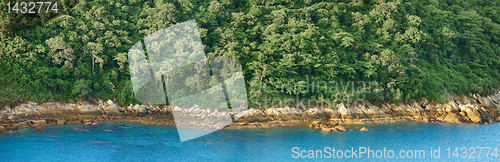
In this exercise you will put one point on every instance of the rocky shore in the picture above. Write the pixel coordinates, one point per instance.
(458, 109)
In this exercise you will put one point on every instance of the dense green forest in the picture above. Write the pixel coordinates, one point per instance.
(410, 49)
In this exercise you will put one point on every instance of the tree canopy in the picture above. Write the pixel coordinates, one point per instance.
(379, 50)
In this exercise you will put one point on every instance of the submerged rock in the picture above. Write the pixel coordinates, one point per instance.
(363, 129)
(81, 130)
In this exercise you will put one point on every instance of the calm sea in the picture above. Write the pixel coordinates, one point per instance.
(136, 142)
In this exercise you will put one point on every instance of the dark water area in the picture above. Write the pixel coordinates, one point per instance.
(135, 142)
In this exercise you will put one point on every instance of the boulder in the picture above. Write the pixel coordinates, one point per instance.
(341, 128)
(112, 109)
(363, 129)
(2, 129)
(140, 109)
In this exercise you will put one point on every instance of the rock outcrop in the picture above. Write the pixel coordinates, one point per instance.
(110, 108)
(458, 109)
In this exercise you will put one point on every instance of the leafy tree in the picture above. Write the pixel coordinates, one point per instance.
(81, 88)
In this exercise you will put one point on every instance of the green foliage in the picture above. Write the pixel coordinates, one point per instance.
(81, 88)
(412, 49)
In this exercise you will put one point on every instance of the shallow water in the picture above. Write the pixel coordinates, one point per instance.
(136, 142)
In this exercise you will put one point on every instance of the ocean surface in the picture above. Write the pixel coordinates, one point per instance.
(135, 142)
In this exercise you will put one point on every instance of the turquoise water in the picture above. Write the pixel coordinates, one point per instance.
(135, 142)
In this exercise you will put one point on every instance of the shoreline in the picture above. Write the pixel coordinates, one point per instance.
(458, 109)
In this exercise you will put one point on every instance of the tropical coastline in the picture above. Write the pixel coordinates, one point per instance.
(458, 109)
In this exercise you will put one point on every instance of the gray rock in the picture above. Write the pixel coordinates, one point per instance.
(110, 102)
(113, 109)
(314, 112)
(141, 109)
(249, 115)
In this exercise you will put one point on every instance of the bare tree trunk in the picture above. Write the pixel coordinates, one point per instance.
(93, 62)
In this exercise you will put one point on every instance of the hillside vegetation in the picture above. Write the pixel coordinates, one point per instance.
(385, 51)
